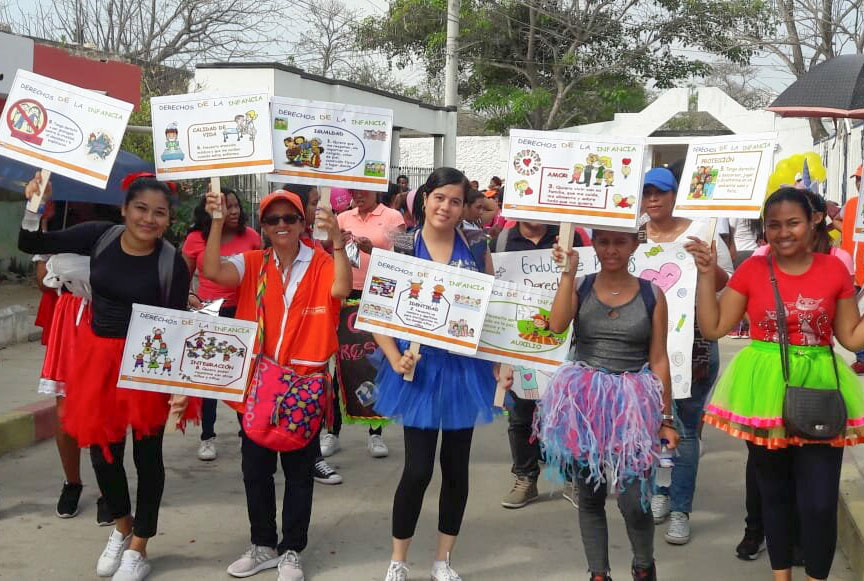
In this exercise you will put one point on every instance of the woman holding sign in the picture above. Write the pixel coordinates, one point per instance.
(450, 393)
(294, 291)
(798, 302)
(603, 417)
(128, 264)
(675, 502)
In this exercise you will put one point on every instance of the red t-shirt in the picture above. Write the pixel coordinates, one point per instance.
(810, 298)
(194, 249)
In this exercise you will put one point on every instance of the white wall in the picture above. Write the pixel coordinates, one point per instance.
(479, 158)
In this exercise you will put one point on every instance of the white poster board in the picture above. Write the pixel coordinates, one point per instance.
(423, 301)
(570, 177)
(62, 128)
(187, 353)
(208, 135)
(667, 265)
(726, 176)
(331, 144)
(516, 329)
(858, 233)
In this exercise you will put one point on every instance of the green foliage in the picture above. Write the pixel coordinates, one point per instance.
(141, 144)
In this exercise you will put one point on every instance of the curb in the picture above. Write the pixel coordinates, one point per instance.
(27, 425)
(850, 521)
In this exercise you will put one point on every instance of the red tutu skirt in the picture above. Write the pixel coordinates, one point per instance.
(97, 412)
(63, 343)
(45, 314)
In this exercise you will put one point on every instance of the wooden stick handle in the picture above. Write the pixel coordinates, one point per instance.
(324, 203)
(415, 349)
(171, 423)
(36, 201)
(566, 234)
(216, 186)
(712, 229)
(500, 392)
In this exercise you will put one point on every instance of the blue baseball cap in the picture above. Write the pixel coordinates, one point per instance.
(662, 179)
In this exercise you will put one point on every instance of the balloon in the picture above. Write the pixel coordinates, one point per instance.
(340, 199)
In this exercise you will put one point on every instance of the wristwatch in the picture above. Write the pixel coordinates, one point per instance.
(668, 418)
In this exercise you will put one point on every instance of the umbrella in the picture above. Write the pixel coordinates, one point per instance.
(834, 88)
(14, 175)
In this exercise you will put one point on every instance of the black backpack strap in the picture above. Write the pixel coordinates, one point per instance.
(585, 289)
(167, 257)
(646, 289)
(111, 234)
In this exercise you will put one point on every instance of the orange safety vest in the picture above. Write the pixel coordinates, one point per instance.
(855, 249)
(313, 317)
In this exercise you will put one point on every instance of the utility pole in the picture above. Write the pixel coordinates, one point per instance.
(451, 81)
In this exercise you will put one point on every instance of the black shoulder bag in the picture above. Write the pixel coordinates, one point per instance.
(811, 414)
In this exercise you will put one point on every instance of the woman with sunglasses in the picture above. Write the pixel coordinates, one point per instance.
(451, 393)
(237, 238)
(301, 299)
(126, 267)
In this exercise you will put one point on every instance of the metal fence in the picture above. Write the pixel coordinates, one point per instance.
(416, 174)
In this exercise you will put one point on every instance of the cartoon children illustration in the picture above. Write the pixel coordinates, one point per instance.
(157, 334)
(199, 340)
(523, 188)
(590, 162)
(315, 150)
(608, 177)
(577, 173)
(625, 167)
(152, 364)
(603, 163)
(414, 292)
(172, 151)
(163, 349)
(292, 150)
(437, 293)
(139, 361)
(166, 366)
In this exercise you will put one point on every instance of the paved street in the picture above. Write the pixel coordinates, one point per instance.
(203, 524)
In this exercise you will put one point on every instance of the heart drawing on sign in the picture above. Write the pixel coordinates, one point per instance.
(526, 161)
(527, 376)
(665, 278)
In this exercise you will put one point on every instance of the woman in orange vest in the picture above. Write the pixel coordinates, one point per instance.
(304, 287)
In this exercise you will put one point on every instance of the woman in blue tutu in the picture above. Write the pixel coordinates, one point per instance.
(604, 414)
(451, 393)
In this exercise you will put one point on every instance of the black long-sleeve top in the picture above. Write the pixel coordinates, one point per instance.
(118, 279)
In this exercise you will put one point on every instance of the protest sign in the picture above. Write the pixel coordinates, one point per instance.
(205, 136)
(424, 302)
(331, 144)
(62, 128)
(187, 353)
(726, 176)
(516, 328)
(570, 177)
(667, 265)
(357, 390)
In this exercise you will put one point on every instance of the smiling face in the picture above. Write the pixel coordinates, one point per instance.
(283, 236)
(614, 249)
(443, 208)
(364, 201)
(147, 215)
(787, 229)
(657, 204)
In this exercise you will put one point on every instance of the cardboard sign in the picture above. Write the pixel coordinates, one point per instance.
(62, 128)
(516, 329)
(357, 390)
(667, 265)
(202, 136)
(425, 302)
(187, 353)
(726, 176)
(570, 177)
(331, 144)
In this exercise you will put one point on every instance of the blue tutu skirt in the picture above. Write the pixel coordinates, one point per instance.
(449, 391)
(600, 425)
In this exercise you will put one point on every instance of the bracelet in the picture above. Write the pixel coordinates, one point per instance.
(338, 249)
(668, 418)
(668, 424)
(191, 294)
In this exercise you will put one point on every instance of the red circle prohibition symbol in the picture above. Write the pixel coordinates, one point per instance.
(35, 126)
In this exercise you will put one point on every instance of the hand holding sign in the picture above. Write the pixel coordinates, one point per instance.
(215, 204)
(566, 260)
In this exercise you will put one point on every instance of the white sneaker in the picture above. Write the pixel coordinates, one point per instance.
(678, 532)
(571, 493)
(444, 572)
(324, 474)
(660, 508)
(207, 449)
(133, 567)
(254, 560)
(398, 571)
(289, 567)
(329, 445)
(109, 560)
(376, 446)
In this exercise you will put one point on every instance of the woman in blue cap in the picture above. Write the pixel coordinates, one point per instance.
(675, 502)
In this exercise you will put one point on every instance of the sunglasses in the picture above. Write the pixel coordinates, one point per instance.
(289, 219)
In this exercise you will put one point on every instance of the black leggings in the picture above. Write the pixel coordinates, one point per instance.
(806, 480)
(419, 462)
(111, 476)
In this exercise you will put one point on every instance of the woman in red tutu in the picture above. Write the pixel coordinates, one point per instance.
(128, 264)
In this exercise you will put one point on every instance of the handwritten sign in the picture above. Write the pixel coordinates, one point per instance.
(668, 266)
(357, 390)
(187, 353)
(202, 136)
(331, 144)
(423, 301)
(570, 177)
(726, 176)
(62, 128)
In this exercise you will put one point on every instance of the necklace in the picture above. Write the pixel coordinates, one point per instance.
(614, 293)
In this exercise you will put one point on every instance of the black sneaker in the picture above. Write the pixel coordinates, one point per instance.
(67, 506)
(599, 577)
(649, 574)
(323, 473)
(751, 546)
(103, 513)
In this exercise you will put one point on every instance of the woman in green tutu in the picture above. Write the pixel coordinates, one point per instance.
(819, 304)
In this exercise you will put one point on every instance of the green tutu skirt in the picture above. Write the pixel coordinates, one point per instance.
(747, 402)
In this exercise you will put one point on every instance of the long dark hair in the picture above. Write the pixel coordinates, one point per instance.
(203, 221)
(806, 200)
(821, 238)
(443, 176)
